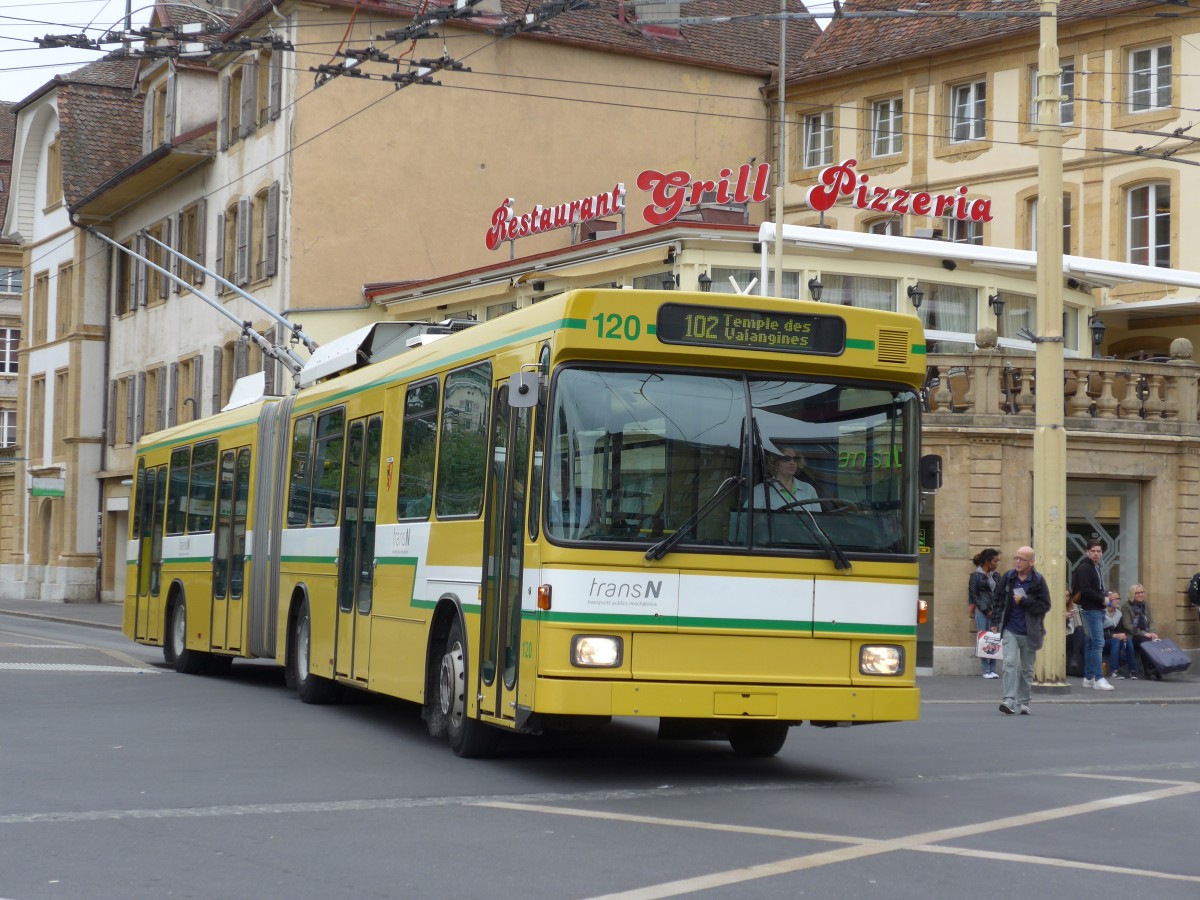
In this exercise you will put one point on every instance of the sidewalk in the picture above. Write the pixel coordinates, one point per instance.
(935, 689)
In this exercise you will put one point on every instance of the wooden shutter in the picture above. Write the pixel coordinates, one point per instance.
(249, 117)
(271, 231)
(242, 262)
(148, 122)
(160, 405)
(219, 256)
(167, 258)
(275, 85)
(197, 384)
(201, 234)
(241, 358)
(223, 116)
(175, 241)
(139, 409)
(139, 247)
(173, 396)
(216, 381)
(112, 412)
(169, 111)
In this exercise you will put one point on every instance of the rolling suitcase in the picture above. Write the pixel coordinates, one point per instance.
(1162, 657)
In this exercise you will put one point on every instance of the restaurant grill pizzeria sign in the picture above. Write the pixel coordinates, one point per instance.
(671, 192)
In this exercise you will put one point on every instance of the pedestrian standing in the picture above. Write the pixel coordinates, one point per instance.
(1023, 599)
(980, 588)
(1087, 586)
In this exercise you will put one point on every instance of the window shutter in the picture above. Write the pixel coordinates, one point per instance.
(139, 247)
(112, 413)
(169, 111)
(241, 358)
(219, 255)
(167, 261)
(248, 120)
(173, 395)
(148, 122)
(275, 85)
(271, 228)
(269, 362)
(175, 242)
(130, 400)
(216, 380)
(160, 406)
(242, 266)
(223, 116)
(139, 411)
(201, 234)
(197, 384)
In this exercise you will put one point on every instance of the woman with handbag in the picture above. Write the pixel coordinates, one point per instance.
(979, 599)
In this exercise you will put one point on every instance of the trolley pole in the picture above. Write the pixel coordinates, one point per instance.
(781, 165)
(1050, 437)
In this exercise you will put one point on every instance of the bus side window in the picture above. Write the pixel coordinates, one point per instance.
(462, 451)
(203, 491)
(299, 486)
(327, 468)
(417, 443)
(177, 499)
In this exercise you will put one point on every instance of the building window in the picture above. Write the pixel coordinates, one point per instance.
(1066, 223)
(859, 290)
(187, 389)
(158, 116)
(887, 118)
(64, 299)
(968, 112)
(41, 303)
(818, 140)
(62, 412)
(498, 309)
(958, 231)
(1020, 312)
(37, 409)
(952, 308)
(1066, 89)
(10, 280)
(8, 427)
(191, 242)
(124, 297)
(157, 284)
(1149, 225)
(1150, 79)
(54, 177)
(893, 225)
(10, 343)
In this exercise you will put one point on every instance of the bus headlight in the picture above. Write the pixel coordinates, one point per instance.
(881, 659)
(599, 651)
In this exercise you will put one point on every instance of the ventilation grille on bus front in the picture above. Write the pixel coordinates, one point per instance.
(892, 348)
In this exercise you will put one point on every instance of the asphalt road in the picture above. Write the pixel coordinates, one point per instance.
(119, 779)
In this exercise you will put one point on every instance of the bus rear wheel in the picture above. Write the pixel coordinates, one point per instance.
(757, 740)
(468, 738)
(187, 662)
(309, 687)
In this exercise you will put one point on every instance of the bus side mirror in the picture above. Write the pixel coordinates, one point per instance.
(931, 473)
(523, 390)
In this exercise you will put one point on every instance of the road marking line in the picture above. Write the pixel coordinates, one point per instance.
(1136, 779)
(920, 841)
(675, 823)
(44, 646)
(76, 667)
(1052, 861)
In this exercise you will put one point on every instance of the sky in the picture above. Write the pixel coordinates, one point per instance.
(24, 67)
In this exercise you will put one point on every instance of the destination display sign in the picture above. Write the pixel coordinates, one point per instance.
(750, 329)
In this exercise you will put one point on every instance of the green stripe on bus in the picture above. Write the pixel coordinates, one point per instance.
(859, 344)
(918, 349)
(580, 324)
(472, 609)
(396, 561)
(308, 559)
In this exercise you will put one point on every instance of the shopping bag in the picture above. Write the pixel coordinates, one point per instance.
(987, 645)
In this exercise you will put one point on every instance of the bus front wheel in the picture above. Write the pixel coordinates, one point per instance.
(757, 740)
(468, 737)
(187, 662)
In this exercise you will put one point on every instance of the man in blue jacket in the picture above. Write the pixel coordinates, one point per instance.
(1023, 599)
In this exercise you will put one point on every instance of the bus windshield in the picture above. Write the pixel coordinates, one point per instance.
(634, 456)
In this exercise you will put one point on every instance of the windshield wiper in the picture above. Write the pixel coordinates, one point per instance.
(663, 547)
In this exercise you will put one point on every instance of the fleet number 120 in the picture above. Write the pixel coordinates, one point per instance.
(615, 327)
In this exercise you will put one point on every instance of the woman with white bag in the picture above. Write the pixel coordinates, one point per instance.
(979, 600)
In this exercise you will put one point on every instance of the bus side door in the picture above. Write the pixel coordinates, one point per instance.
(152, 502)
(503, 559)
(356, 548)
(229, 549)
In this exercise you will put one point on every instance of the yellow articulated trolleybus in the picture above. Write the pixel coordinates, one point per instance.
(576, 511)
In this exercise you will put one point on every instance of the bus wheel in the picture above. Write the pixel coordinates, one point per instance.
(311, 688)
(756, 740)
(187, 662)
(468, 738)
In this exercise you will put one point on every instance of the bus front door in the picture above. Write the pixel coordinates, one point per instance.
(152, 502)
(229, 549)
(356, 548)
(503, 561)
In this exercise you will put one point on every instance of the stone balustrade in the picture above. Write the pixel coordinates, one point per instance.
(999, 388)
